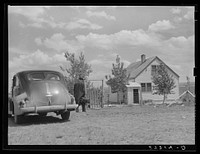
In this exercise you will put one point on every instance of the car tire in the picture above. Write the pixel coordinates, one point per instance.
(42, 114)
(18, 119)
(65, 116)
(9, 115)
(11, 111)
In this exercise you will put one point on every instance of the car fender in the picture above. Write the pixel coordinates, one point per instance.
(16, 101)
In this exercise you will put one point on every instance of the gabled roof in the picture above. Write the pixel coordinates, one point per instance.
(187, 91)
(136, 68)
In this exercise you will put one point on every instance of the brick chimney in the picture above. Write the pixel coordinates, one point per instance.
(143, 58)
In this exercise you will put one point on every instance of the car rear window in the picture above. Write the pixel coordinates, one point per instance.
(36, 76)
(52, 76)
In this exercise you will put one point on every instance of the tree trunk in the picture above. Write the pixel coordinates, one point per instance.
(164, 96)
(118, 97)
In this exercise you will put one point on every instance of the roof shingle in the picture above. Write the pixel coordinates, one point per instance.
(137, 67)
(134, 69)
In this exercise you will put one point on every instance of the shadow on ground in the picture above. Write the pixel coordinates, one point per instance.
(35, 119)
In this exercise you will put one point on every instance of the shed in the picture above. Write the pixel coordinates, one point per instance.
(187, 97)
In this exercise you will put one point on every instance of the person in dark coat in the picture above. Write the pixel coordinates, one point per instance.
(79, 93)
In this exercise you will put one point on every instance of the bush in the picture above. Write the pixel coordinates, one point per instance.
(148, 101)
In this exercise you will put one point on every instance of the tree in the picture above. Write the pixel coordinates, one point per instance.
(163, 82)
(78, 68)
(119, 80)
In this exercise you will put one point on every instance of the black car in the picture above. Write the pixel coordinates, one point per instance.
(40, 92)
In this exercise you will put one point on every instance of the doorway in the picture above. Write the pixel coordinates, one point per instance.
(135, 96)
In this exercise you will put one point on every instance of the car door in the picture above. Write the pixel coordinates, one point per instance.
(16, 91)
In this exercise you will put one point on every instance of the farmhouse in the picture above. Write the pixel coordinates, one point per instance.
(140, 85)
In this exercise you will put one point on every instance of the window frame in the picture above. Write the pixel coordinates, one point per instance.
(153, 69)
(149, 88)
(145, 87)
(16, 85)
(30, 77)
(16, 81)
(52, 75)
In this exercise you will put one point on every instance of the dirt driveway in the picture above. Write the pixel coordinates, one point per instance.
(109, 125)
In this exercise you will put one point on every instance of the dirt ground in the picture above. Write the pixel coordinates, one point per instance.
(108, 126)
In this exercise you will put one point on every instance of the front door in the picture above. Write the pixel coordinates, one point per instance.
(135, 96)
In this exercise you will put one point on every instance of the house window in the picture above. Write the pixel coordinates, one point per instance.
(143, 87)
(153, 69)
(146, 87)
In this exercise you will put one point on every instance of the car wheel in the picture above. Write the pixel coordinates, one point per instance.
(65, 115)
(9, 115)
(42, 114)
(18, 119)
(11, 110)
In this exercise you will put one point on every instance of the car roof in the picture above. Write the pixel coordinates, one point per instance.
(34, 71)
(23, 79)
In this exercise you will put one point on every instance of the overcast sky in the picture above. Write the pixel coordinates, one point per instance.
(38, 36)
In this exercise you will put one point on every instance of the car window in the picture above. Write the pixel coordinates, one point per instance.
(51, 76)
(36, 76)
(16, 88)
(17, 81)
(14, 81)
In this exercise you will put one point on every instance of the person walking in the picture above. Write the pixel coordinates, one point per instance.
(79, 93)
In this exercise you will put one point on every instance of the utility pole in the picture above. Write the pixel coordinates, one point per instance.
(188, 88)
(188, 83)
(102, 96)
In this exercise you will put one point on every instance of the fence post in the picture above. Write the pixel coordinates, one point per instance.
(94, 98)
(102, 96)
(96, 95)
